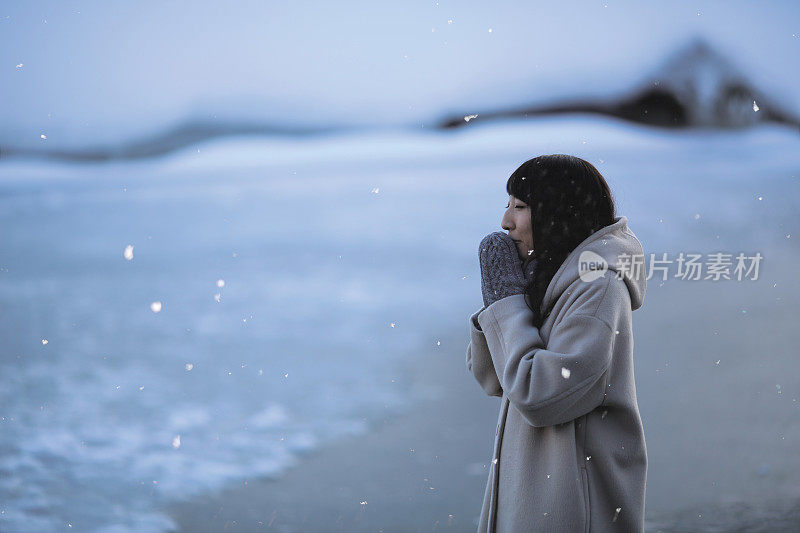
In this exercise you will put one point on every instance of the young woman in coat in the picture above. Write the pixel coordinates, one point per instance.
(554, 340)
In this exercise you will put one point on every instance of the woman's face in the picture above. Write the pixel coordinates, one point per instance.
(517, 220)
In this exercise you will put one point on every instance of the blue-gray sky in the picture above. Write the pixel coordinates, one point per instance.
(101, 72)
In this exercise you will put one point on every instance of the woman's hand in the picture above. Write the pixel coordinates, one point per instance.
(502, 272)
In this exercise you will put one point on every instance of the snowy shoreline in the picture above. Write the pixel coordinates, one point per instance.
(396, 221)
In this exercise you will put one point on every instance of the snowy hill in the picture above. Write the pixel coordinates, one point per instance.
(697, 86)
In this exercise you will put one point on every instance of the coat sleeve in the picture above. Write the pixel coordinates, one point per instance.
(479, 360)
(550, 384)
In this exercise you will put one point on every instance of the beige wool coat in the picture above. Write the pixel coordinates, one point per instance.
(569, 451)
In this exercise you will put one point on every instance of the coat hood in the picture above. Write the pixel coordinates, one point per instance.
(612, 250)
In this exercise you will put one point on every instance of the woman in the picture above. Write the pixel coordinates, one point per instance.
(554, 340)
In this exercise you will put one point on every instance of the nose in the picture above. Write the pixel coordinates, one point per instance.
(506, 223)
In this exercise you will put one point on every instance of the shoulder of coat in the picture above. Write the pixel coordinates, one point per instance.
(600, 298)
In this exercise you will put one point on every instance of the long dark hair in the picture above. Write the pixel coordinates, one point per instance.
(569, 200)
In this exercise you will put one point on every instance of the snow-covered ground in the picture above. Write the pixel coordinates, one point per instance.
(338, 258)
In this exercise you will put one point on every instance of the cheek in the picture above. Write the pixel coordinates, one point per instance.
(525, 225)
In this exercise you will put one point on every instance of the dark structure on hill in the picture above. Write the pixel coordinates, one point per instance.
(695, 87)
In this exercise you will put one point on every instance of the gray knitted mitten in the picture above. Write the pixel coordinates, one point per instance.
(502, 271)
